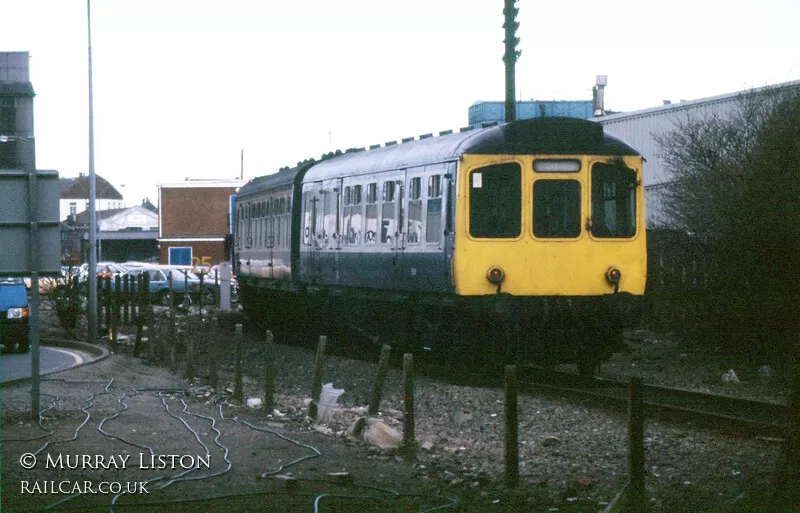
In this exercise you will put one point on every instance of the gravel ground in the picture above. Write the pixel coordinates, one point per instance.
(573, 453)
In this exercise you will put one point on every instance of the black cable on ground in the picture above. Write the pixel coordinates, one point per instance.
(386, 493)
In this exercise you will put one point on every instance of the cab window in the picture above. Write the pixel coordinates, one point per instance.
(556, 209)
(495, 201)
(613, 201)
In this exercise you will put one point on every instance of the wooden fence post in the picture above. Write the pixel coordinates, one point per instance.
(409, 437)
(793, 440)
(635, 495)
(115, 311)
(189, 343)
(270, 371)
(786, 493)
(126, 291)
(146, 315)
(512, 427)
(380, 377)
(100, 294)
(107, 297)
(213, 353)
(316, 385)
(238, 393)
(173, 353)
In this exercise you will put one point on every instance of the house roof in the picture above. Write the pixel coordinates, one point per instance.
(82, 218)
(78, 188)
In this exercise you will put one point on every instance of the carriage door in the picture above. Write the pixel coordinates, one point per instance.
(327, 254)
(313, 202)
(392, 215)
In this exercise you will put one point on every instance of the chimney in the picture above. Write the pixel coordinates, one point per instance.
(599, 101)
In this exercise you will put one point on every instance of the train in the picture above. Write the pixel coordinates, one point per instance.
(521, 242)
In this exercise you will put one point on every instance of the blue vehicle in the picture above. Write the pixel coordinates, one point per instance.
(14, 313)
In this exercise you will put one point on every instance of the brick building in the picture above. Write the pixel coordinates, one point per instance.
(195, 221)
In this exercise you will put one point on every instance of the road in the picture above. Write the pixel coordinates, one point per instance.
(14, 366)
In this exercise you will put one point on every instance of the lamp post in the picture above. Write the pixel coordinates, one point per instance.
(92, 312)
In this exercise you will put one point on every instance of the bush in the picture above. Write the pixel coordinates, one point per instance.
(735, 191)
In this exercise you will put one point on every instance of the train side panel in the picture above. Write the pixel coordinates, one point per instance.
(378, 231)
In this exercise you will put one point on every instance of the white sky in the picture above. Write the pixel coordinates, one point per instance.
(182, 86)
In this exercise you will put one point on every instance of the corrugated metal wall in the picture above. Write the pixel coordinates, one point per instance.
(640, 127)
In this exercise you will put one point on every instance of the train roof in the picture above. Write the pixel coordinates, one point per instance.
(553, 135)
(284, 177)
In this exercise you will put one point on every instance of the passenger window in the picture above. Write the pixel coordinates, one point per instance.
(388, 213)
(414, 210)
(556, 209)
(613, 201)
(371, 228)
(352, 224)
(309, 232)
(433, 224)
(346, 215)
(330, 217)
(495, 201)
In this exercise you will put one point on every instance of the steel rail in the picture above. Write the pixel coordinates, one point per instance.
(740, 413)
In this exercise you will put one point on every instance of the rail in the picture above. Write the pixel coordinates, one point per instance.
(739, 413)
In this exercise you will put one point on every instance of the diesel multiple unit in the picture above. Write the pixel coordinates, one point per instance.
(516, 242)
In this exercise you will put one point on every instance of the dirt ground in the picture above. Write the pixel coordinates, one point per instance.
(126, 425)
(135, 417)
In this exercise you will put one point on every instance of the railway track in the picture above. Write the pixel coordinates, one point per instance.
(738, 414)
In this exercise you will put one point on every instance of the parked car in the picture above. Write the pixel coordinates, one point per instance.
(104, 269)
(14, 314)
(183, 281)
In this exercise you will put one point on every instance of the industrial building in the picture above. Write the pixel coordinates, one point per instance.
(195, 219)
(638, 128)
(17, 145)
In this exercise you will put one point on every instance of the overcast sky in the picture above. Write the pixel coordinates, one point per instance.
(182, 86)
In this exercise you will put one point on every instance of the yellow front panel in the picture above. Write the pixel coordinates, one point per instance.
(545, 266)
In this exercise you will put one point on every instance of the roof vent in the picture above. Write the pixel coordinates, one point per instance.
(601, 81)
(390, 143)
(445, 132)
(407, 139)
(466, 128)
(425, 136)
(374, 146)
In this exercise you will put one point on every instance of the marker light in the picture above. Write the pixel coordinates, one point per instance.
(613, 275)
(495, 275)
